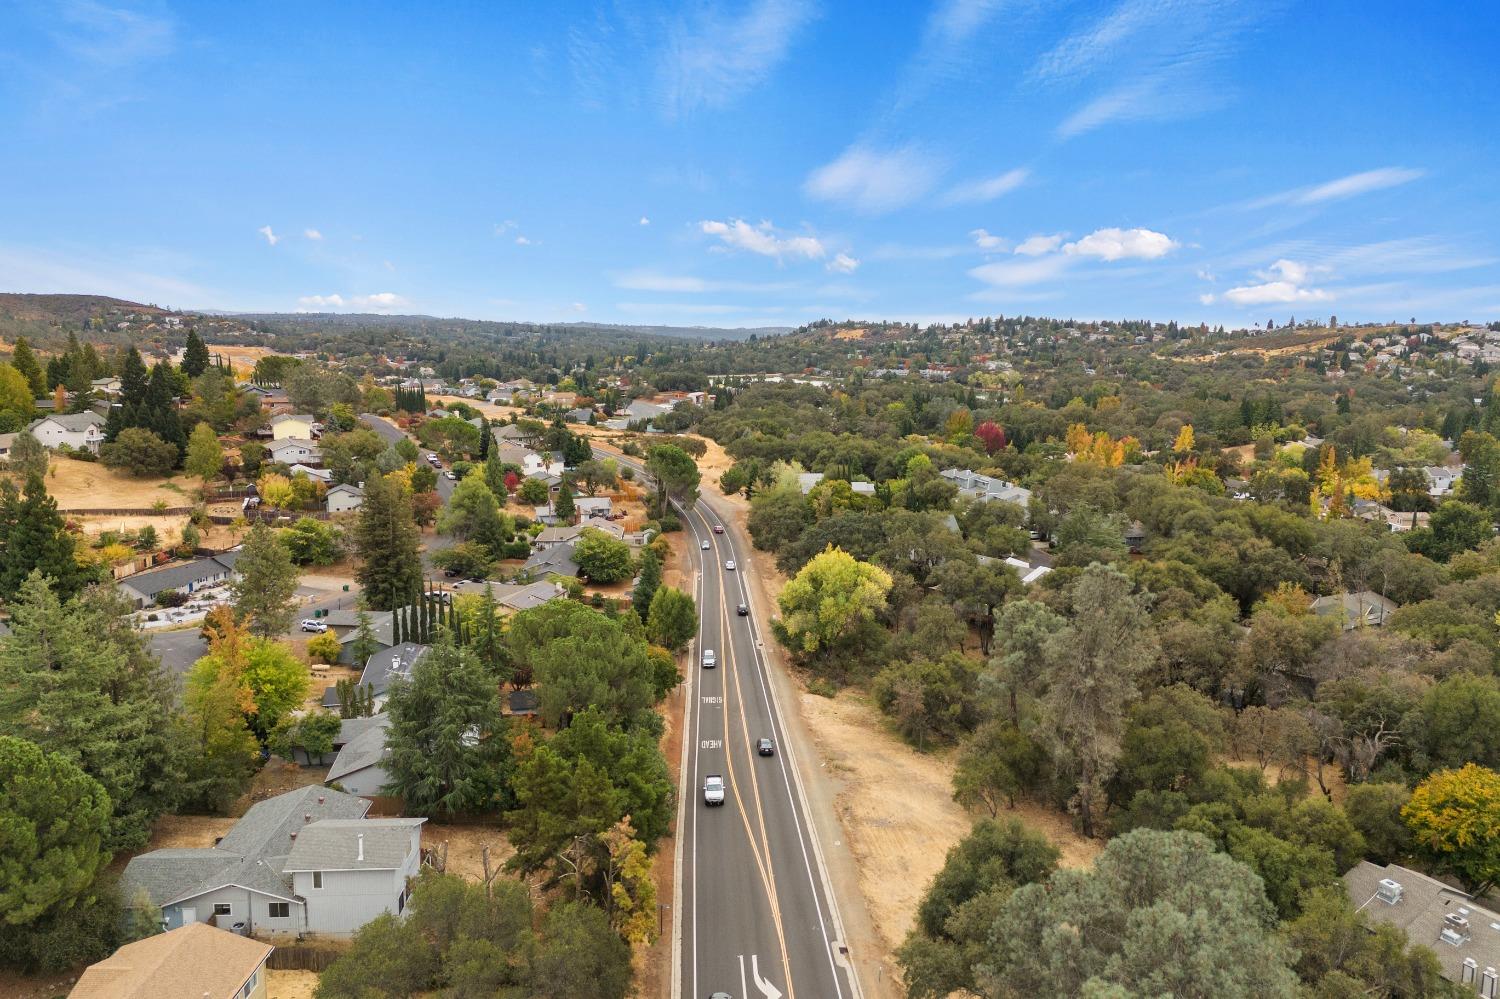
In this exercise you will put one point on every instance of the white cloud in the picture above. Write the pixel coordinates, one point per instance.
(1019, 273)
(1284, 282)
(986, 240)
(1141, 100)
(312, 234)
(579, 307)
(501, 228)
(381, 301)
(842, 263)
(139, 274)
(271, 237)
(713, 57)
(1036, 246)
(763, 239)
(987, 189)
(645, 221)
(1122, 244)
(1343, 187)
(522, 241)
(873, 182)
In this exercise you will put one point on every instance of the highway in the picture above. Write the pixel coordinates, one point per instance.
(754, 915)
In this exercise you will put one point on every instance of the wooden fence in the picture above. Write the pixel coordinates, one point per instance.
(306, 956)
(128, 511)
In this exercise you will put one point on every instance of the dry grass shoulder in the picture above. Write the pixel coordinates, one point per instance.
(896, 809)
(291, 984)
(81, 485)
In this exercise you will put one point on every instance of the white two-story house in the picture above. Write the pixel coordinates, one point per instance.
(79, 431)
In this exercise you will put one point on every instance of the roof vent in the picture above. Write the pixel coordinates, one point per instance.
(1389, 891)
(294, 837)
(307, 816)
(322, 798)
(360, 841)
(1455, 932)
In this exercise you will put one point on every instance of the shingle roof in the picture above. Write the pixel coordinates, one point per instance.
(191, 961)
(365, 749)
(250, 854)
(332, 845)
(173, 576)
(352, 728)
(75, 422)
(557, 559)
(283, 417)
(386, 665)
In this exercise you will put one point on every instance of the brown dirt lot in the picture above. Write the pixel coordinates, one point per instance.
(291, 984)
(490, 409)
(14, 985)
(466, 843)
(86, 484)
(897, 813)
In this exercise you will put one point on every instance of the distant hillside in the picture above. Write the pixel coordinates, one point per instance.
(430, 324)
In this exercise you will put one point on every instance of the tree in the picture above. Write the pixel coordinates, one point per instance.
(473, 514)
(448, 753)
(324, 648)
(53, 819)
(674, 474)
(1154, 916)
(581, 659)
(28, 456)
(832, 596)
(997, 765)
(1454, 817)
(390, 957)
(15, 393)
(1022, 630)
(533, 492)
(647, 582)
(77, 678)
(1454, 527)
(580, 955)
(205, 458)
(494, 476)
(565, 509)
(264, 587)
(1184, 442)
(33, 538)
(313, 733)
(632, 892)
(1342, 953)
(24, 359)
(469, 559)
(1375, 810)
(365, 644)
(140, 452)
(385, 537)
(1091, 669)
(270, 680)
(928, 699)
(993, 436)
(673, 619)
(597, 474)
(195, 357)
(310, 541)
(951, 935)
(602, 558)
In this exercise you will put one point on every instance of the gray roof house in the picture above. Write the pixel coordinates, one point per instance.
(986, 487)
(519, 597)
(294, 451)
(360, 766)
(79, 431)
(1361, 609)
(343, 497)
(344, 625)
(381, 670)
(143, 588)
(1464, 935)
(272, 873)
(555, 560)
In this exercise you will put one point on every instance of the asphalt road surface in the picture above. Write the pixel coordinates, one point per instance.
(755, 916)
(392, 433)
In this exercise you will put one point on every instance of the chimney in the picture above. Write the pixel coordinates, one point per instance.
(360, 840)
(307, 816)
(294, 836)
(322, 798)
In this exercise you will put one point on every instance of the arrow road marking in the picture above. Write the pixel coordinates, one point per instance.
(766, 988)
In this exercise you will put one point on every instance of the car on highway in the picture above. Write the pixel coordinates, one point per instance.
(729, 564)
(721, 995)
(742, 610)
(765, 746)
(704, 546)
(314, 625)
(713, 790)
(718, 528)
(709, 661)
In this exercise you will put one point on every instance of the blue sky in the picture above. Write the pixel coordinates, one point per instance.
(760, 162)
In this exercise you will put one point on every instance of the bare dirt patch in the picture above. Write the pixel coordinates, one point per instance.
(896, 809)
(90, 485)
(466, 843)
(291, 984)
(14, 985)
(493, 410)
(189, 831)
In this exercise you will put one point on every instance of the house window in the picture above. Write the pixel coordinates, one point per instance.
(250, 985)
(280, 910)
(222, 909)
(317, 879)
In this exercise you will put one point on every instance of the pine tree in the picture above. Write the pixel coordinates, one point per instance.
(386, 537)
(265, 585)
(194, 355)
(565, 509)
(486, 439)
(33, 537)
(159, 414)
(24, 358)
(364, 645)
(647, 583)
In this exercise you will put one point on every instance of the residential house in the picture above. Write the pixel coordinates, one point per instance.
(195, 961)
(360, 766)
(323, 475)
(521, 703)
(554, 561)
(6, 441)
(578, 415)
(343, 624)
(144, 588)
(79, 431)
(597, 507)
(381, 670)
(294, 451)
(568, 534)
(640, 410)
(105, 388)
(1135, 537)
(280, 869)
(272, 400)
(293, 425)
(1441, 480)
(1362, 609)
(862, 488)
(530, 462)
(1463, 934)
(343, 498)
(807, 481)
(986, 487)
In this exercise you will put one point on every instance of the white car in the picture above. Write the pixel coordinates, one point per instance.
(449, 474)
(704, 546)
(713, 790)
(729, 565)
(314, 625)
(709, 661)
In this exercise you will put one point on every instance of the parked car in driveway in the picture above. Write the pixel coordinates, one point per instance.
(314, 625)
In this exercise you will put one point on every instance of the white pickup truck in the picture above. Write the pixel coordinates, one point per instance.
(713, 790)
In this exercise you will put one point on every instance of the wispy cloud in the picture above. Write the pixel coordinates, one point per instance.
(1284, 282)
(874, 181)
(110, 35)
(81, 271)
(986, 189)
(644, 221)
(842, 263)
(1020, 273)
(1351, 186)
(944, 53)
(986, 240)
(312, 234)
(381, 301)
(1048, 257)
(269, 234)
(714, 56)
(763, 239)
(1036, 246)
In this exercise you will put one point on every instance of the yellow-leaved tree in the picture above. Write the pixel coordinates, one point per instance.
(1184, 442)
(1454, 817)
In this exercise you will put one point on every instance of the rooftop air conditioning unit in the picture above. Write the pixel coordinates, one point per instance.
(1389, 891)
